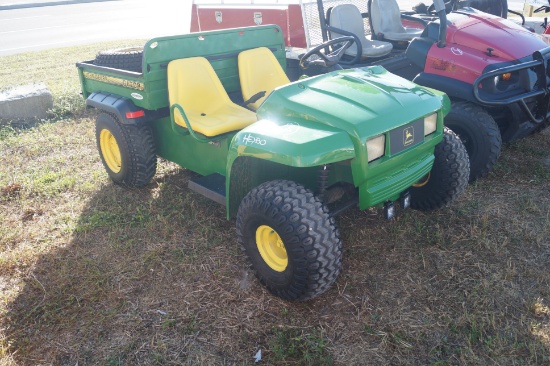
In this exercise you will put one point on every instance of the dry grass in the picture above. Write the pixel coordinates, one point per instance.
(56, 69)
(95, 274)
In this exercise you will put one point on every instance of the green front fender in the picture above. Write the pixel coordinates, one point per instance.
(445, 101)
(275, 150)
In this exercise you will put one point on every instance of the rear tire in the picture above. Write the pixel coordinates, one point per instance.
(127, 151)
(123, 59)
(479, 134)
(290, 238)
(448, 178)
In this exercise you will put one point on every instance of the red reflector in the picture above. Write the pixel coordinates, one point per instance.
(135, 114)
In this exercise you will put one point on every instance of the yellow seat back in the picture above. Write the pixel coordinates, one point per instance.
(195, 86)
(259, 71)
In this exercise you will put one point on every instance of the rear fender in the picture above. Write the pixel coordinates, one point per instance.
(123, 108)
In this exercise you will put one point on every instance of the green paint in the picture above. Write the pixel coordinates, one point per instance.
(301, 126)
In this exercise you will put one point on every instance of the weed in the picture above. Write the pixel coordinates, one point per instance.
(7, 132)
(474, 333)
(114, 361)
(168, 323)
(293, 345)
(69, 104)
(101, 219)
(191, 327)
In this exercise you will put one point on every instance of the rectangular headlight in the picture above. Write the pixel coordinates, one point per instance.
(376, 147)
(430, 124)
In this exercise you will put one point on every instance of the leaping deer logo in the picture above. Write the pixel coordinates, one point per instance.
(408, 136)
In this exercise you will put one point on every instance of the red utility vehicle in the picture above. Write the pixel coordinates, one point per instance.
(495, 71)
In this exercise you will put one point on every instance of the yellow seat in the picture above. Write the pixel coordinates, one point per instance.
(195, 87)
(259, 71)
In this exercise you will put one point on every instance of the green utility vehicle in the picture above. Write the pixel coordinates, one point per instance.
(296, 156)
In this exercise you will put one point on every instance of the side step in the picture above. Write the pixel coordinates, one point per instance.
(211, 186)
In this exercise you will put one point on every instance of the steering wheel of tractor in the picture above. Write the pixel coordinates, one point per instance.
(327, 60)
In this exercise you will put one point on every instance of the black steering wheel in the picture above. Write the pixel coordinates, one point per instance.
(325, 60)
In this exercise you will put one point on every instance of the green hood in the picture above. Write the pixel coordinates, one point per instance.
(364, 102)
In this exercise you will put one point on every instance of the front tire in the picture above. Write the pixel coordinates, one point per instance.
(127, 151)
(480, 135)
(290, 239)
(448, 178)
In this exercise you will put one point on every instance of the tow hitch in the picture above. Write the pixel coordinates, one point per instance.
(404, 202)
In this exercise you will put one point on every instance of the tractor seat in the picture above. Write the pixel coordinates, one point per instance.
(348, 18)
(259, 71)
(385, 18)
(195, 87)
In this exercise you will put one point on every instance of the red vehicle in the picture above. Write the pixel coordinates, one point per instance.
(495, 71)
(544, 25)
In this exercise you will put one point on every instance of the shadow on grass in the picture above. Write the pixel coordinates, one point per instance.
(155, 277)
(116, 293)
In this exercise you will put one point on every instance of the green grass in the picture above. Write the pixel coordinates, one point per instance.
(297, 346)
(95, 274)
(56, 69)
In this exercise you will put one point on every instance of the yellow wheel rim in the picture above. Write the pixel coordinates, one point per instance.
(423, 181)
(110, 150)
(271, 248)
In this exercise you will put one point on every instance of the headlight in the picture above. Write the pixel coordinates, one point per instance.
(376, 147)
(506, 81)
(507, 76)
(430, 124)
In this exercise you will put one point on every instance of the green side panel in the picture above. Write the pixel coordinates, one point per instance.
(299, 143)
(200, 157)
(103, 79)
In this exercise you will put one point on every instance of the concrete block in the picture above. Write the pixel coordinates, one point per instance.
(26, 102)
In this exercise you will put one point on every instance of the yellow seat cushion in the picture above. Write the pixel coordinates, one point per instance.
(259, 70)
(194, 85)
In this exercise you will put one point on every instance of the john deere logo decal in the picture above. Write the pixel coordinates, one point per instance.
(405, 137)
(408, 136)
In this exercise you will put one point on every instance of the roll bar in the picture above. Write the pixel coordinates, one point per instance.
(442, 15)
